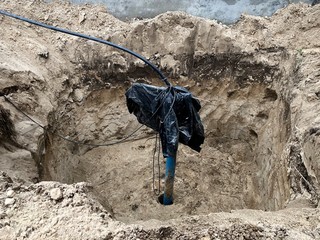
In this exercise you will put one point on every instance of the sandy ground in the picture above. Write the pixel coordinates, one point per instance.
(257, 80)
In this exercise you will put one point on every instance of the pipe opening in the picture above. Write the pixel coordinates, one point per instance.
(160, 200)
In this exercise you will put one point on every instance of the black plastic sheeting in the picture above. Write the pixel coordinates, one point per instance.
(171, 111)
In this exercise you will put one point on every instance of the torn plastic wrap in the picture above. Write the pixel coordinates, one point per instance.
(171, 111)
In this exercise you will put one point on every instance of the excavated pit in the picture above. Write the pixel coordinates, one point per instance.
(258, 83)
(243, 163)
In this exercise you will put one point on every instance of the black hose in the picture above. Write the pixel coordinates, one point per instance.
(162, 77)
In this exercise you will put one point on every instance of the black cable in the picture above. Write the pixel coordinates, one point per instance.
(67, 139)
(125, 139)
(159, 178)
(162, 77)
(91, 144)
(156, 150)
(171, 107)
(26, 115)
(128, 136)
(153, 160)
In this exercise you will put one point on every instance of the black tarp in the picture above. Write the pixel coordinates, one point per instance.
(171, 111)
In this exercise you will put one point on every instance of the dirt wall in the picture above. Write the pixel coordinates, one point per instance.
(257, 82)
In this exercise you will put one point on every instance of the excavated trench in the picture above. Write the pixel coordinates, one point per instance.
(244, 161)
(258, 84)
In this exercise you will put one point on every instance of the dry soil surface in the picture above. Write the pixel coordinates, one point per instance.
(257, 176)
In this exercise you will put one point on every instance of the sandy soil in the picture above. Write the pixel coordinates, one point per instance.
(257, 176)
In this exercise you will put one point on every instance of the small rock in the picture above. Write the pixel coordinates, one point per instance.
(78, 95)
(35, 198)
(206, 238)
(10, 193)
(56, 194)
(54, 221)
(9, 201)
(5, 178)
(69, 193)
(2, 214)
(44, 54)
(66, 202)
(77, 200)
(82, 17)
(108, 85)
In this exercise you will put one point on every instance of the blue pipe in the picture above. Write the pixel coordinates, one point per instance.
(169, 180)
(171, 161)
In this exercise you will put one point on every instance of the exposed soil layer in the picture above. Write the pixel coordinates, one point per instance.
(257, 82)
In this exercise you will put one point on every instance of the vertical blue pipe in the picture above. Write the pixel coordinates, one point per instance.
(169, 180)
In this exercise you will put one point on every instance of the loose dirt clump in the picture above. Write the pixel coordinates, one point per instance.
(257, 81)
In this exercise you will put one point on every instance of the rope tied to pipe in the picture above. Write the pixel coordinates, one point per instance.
(156, 150)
